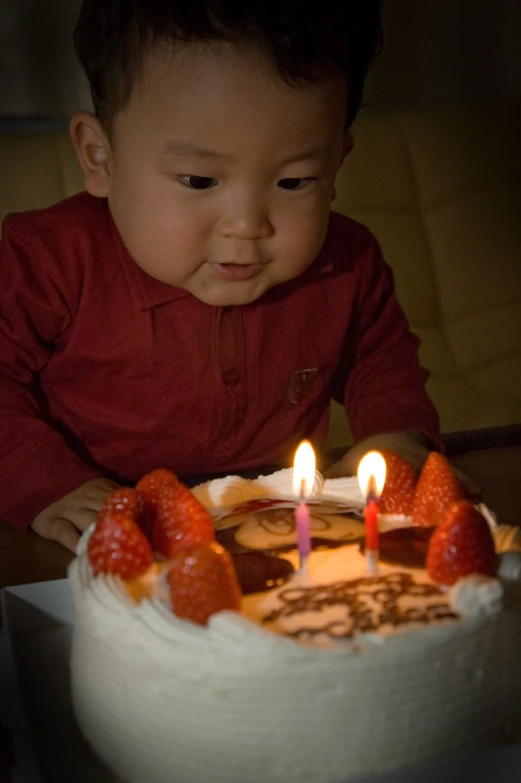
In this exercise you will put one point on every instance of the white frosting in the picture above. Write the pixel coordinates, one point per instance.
(233, 490)
(160, 698)
(477, 595)
(510, 566)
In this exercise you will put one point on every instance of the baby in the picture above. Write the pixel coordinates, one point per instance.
(199, 305)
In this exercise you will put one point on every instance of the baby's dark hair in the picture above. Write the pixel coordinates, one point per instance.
(305, 40)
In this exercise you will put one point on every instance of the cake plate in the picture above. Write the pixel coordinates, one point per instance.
(35, 703)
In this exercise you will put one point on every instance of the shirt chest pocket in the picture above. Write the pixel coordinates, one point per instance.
(301, 384)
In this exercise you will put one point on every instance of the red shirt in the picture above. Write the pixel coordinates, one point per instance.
(104, 370)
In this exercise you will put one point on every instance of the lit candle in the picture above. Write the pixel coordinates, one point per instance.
(303, 478)
(371, 477)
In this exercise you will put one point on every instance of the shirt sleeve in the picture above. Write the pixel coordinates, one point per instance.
(37, 466)
(382, 384)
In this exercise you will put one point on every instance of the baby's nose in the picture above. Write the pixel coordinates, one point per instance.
(247, 221)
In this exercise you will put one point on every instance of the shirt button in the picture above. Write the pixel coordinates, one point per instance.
(231, 377)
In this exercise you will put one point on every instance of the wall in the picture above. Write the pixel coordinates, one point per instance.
(436, 52)
(39, 73)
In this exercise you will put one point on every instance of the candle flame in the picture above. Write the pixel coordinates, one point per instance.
(371, 474)
(304, 469)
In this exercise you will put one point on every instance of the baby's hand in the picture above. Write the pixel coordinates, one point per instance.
(75, 512)
(408, 445)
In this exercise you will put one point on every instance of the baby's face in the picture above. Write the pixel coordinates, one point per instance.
(221, 175)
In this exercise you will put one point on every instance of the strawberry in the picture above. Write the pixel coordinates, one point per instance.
(148, 489)
(118, 546)
(461, 545)
(436, 491)
(400, 483)
(123, 499)
(203, 581)
(181, 520)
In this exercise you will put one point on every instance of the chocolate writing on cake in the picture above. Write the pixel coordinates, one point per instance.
(369, 602)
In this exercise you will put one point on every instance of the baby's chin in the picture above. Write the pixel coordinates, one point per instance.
(230, 294)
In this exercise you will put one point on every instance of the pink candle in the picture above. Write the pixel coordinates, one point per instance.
(303, 478)
(303, 532)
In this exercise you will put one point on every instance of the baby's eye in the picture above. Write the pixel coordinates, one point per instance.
(294, 183)
(197, 183)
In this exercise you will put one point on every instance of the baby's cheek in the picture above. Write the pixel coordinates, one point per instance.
(300, 250)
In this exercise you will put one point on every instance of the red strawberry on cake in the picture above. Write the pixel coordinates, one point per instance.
(400, 484)
(203, 581)
(123, 499)
(118, 546)
(181, 521)
(148, 489)
(461, 545)
(437, 490)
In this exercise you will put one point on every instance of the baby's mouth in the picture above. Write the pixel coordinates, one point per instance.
(234, 270)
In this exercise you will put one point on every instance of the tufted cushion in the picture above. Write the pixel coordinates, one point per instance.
(37, 170)
(442, 192)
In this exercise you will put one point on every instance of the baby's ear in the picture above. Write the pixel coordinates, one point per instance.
(93, 150)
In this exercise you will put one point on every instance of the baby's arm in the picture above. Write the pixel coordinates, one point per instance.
(380, 381)
(44, 482)
(382, 384)
(74, 512)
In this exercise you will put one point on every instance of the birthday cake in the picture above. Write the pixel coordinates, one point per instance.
(318, 676)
